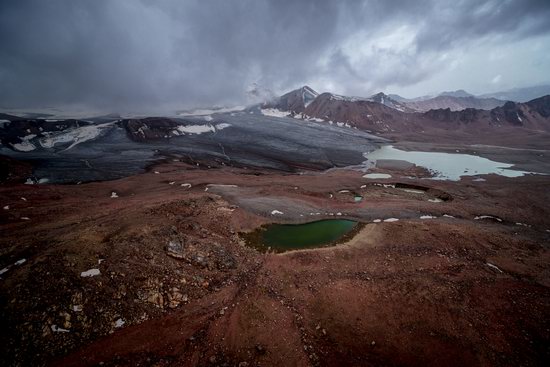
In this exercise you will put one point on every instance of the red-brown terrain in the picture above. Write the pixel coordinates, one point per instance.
(155, 268)
(443, 291)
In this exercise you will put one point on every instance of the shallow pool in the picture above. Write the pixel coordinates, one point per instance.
(285, 237)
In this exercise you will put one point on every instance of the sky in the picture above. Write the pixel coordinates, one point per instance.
(146, 54)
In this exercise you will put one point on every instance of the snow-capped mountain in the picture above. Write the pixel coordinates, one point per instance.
(291, 103)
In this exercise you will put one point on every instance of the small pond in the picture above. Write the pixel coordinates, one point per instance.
(286, 237)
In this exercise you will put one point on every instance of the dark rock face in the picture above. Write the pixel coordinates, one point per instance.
(540, 105)
(151, 128)
(510, 112)
(466, 116)
(334, 108)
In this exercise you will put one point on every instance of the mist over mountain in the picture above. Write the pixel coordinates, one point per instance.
(457, 93)
(520, 94)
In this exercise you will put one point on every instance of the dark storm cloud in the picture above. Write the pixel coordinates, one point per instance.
(455, 22)
(157, 53)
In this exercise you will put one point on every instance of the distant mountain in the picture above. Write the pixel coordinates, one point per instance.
(533, 115)
(357, 112)
(401, 99)
(456, 93)
(398, 98)
(293, 102)
(382, 113)
(390, 102)
(520, 94)
(454, 103)
(376, 117)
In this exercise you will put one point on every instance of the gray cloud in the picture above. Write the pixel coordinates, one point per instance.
(151, 54)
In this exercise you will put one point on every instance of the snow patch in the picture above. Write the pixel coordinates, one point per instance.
(275, 212)
(389, 220)
(196, 129)
(492, 266)
(90, 273)
(75, 136)
(377, 175)
(274, 112)
(114, 195)
(56, 329)
(487, 217)
(24, 146)
(119, 323)
(428, 217)
(222, 126)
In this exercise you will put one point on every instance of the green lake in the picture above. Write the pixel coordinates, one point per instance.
(285, 237)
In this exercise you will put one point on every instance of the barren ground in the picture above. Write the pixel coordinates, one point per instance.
(451, 290)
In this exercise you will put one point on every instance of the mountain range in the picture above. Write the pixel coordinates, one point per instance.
(296, 101)
(381, 113)
(448, 115)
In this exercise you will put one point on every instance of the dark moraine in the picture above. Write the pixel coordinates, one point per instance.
(247, 140)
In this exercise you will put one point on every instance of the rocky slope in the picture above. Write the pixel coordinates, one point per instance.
(361, 113)
(372, 116)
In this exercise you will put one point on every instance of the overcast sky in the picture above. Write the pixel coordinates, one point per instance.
(146, 54)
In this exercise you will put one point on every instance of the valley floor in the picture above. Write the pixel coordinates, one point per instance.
(152, 270)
